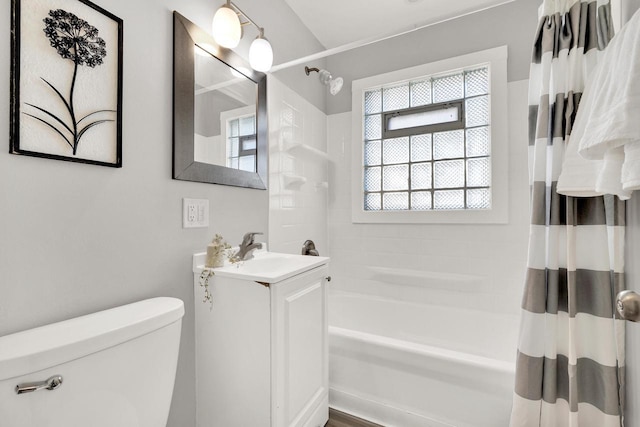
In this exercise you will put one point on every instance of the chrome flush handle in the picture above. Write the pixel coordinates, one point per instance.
(51, 383)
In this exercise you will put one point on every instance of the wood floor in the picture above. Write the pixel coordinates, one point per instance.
(341, 419)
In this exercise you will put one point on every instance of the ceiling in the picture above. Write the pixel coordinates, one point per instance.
(340, 22)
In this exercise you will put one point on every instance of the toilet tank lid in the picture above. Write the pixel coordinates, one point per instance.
(50, 345)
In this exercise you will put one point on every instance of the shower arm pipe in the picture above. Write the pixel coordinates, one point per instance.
(249, 20)
(308, 70)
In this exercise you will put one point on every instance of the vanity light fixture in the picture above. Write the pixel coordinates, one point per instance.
(227, 31)
(226, 27)
(327, 79)
(261, 53)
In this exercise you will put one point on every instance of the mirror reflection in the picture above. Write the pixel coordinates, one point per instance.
(225, 114)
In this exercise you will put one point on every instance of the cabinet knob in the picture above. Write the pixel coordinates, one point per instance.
(328, 278)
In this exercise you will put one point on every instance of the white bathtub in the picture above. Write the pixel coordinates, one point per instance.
(405, 364)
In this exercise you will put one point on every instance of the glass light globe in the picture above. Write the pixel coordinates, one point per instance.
(226, 27)
(261, 55)
(335, 85)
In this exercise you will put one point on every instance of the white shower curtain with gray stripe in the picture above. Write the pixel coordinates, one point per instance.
(570, 364)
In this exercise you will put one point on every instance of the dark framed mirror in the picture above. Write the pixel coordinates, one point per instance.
(219, 112)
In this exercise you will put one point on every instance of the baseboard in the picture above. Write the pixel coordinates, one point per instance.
(378, 413)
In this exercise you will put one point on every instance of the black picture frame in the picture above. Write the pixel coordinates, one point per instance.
(61, 125)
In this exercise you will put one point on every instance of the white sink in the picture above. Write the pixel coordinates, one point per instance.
(270, 267)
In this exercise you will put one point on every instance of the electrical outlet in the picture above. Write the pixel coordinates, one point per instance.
(195, 213)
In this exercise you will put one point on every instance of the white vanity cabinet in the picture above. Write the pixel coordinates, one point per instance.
(261, 349)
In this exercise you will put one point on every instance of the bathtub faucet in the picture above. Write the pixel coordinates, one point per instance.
(247, 246)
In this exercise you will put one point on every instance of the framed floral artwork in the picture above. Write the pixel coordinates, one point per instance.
(66, 81)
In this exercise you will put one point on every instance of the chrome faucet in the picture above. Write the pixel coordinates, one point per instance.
(247, 246)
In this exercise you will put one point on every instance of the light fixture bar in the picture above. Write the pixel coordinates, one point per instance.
(227, 31)
(240, 12)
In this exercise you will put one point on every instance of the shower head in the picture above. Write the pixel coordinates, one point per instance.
(335, 84)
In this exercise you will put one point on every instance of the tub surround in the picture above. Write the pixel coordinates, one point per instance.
(424, 318)
(298, 170)
(470, 265)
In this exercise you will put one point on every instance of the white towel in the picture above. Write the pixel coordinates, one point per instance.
(609, 111)
(609, 176)
(631, 167)
(589, 178)
(607, 119)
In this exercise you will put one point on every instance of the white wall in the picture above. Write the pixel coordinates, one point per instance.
(627, 8)
(513, 24)
(481, 266)
(210, 149)
(79, 238)
(297, 170)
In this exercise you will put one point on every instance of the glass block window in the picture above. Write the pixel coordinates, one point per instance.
(436, 161)
(242, 143)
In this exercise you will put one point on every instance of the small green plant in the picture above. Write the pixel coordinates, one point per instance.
(204, 282)
(235, 260)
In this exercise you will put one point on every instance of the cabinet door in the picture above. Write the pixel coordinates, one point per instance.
(299, 350)
(233, 354)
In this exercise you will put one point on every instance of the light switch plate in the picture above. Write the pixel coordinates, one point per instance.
(195, 213)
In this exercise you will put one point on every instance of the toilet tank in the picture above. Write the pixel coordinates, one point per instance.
(117, 366)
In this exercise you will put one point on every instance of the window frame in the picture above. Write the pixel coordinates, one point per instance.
(437, 127)
(237, 114)
(496, 60)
